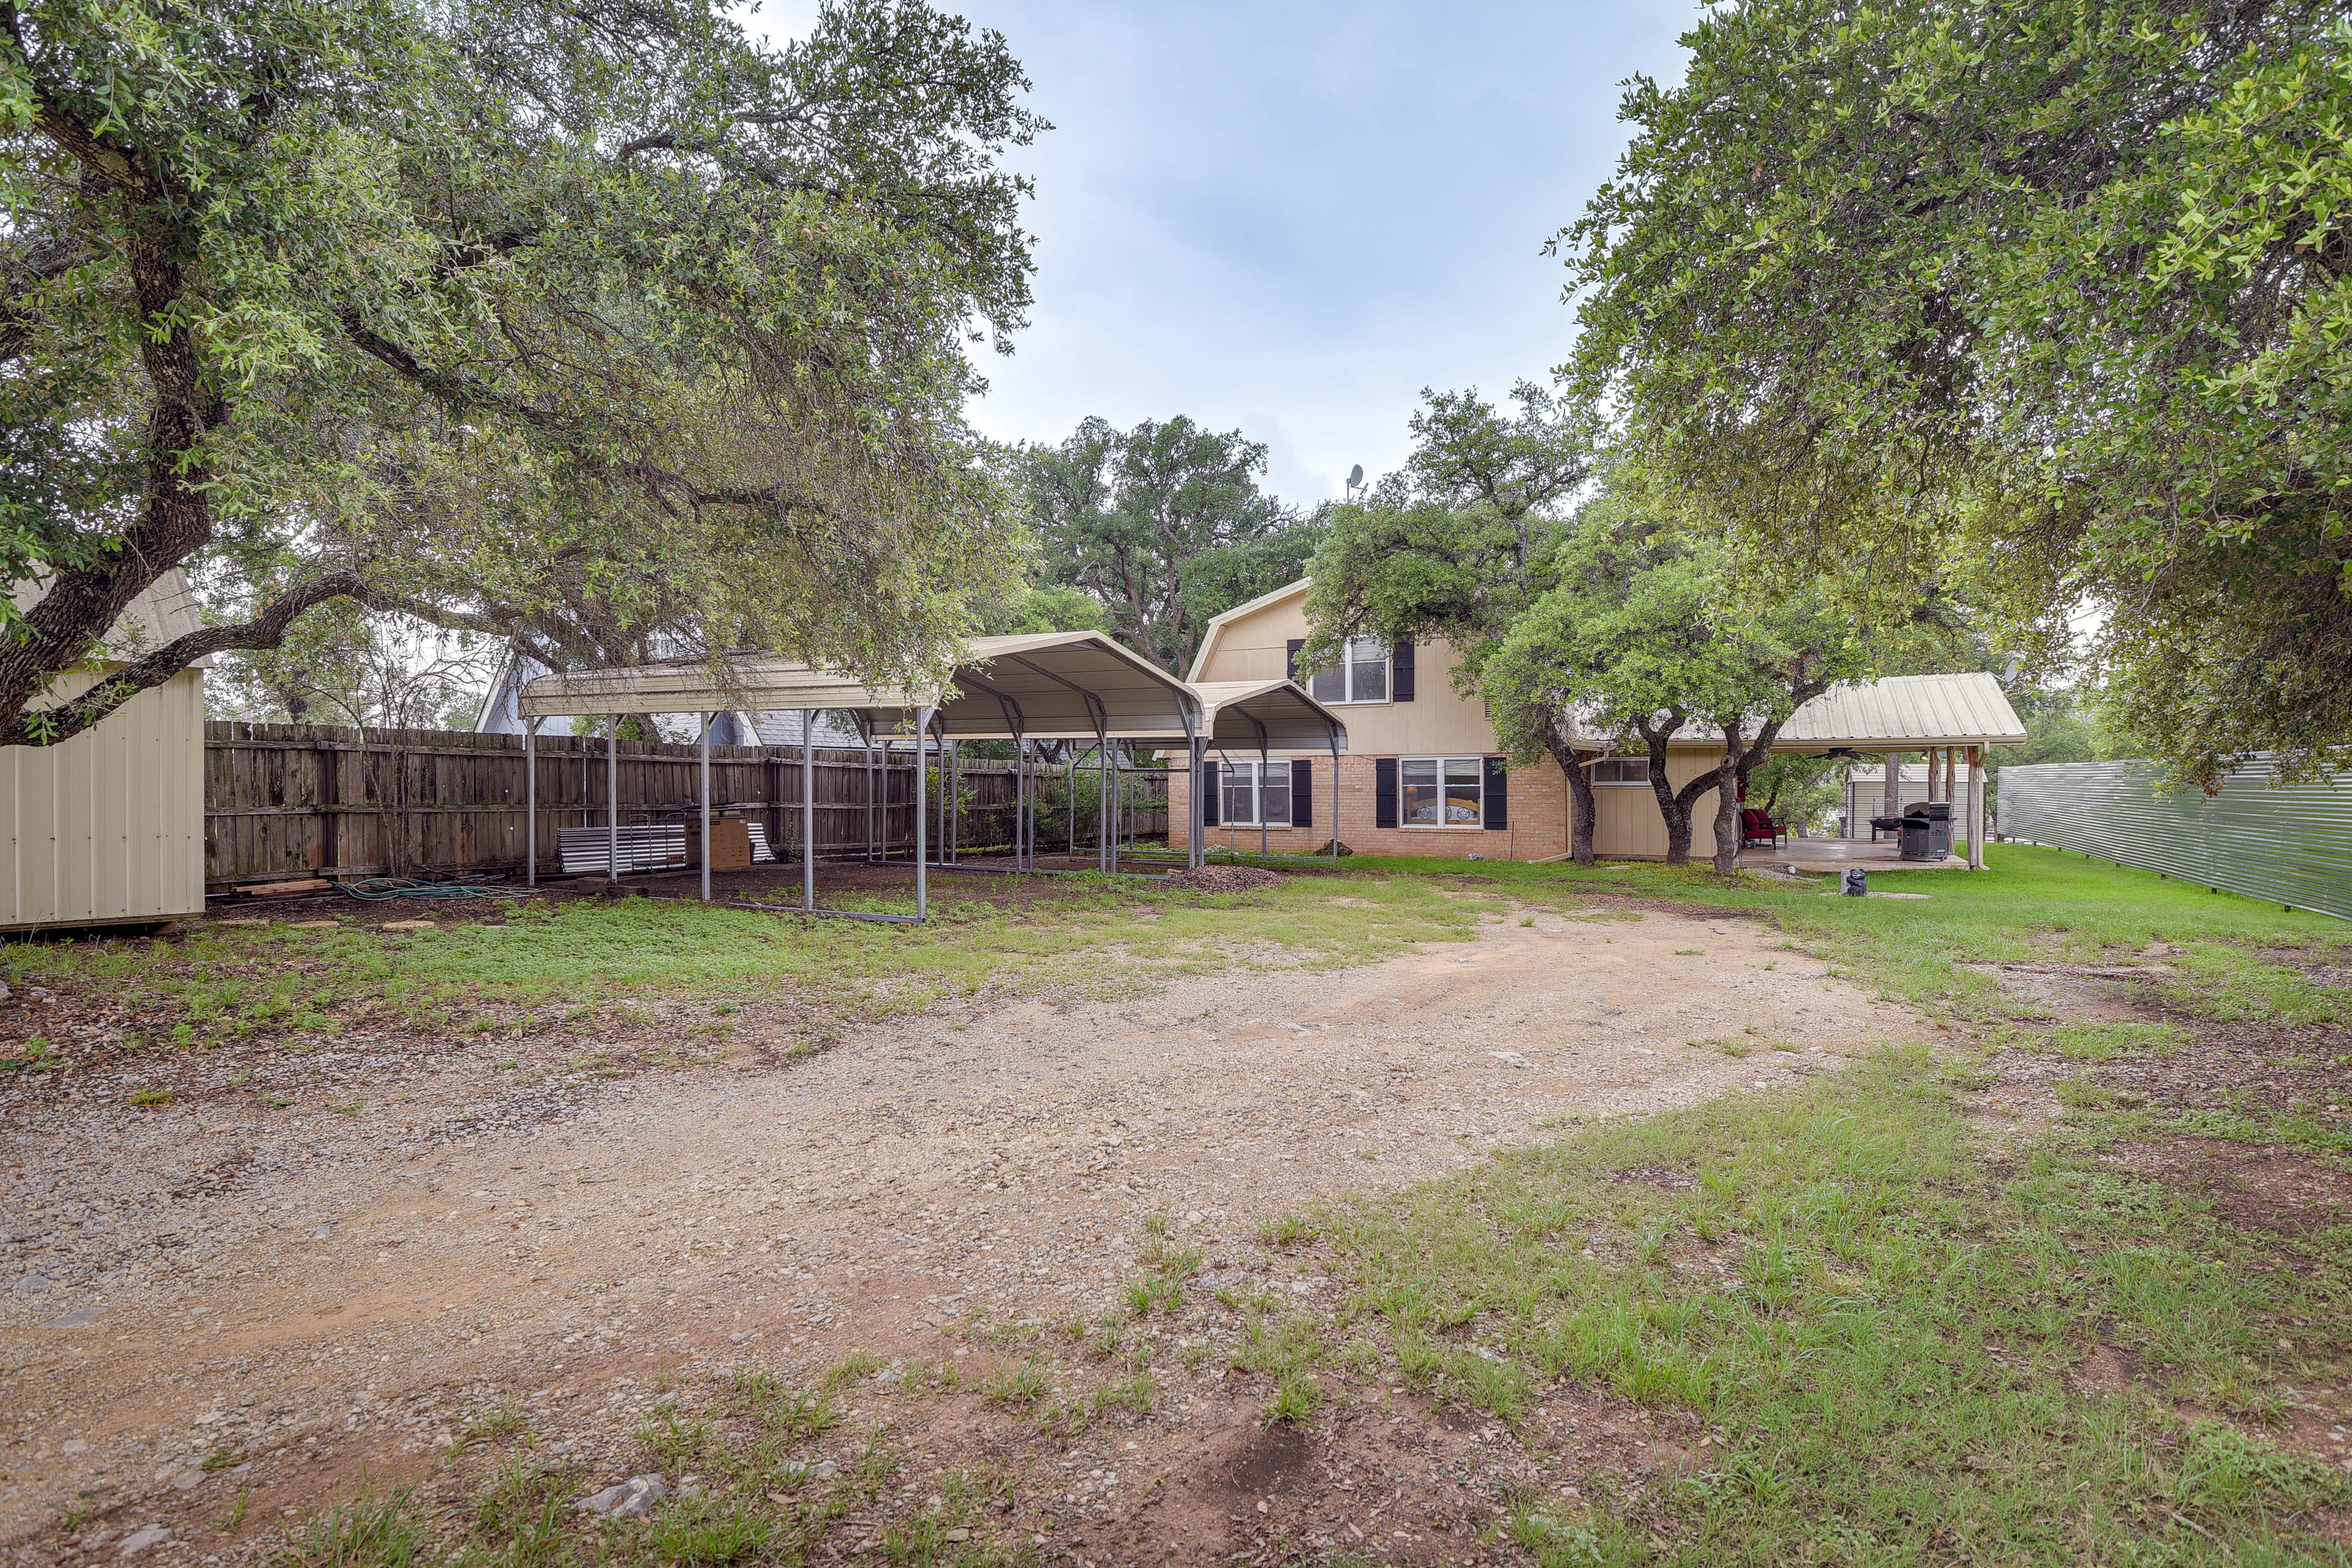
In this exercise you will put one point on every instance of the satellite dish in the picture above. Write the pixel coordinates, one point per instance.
(1355, 476)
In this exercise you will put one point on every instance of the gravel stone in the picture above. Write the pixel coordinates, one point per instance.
(633, 1499)
(141, 1539)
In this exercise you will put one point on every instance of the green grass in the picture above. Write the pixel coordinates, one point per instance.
(1884, 1326)
(756, 1500)
(234, 981)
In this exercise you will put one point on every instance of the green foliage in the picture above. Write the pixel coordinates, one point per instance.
(2049, 304)
(1458, 543)
(584, 324)
(1051, 608)
(1163, 525)
(386, 1531)
(1645, 632)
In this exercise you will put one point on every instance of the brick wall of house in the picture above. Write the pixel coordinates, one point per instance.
(1539, 819)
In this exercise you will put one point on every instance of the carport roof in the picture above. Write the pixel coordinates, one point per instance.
(1266, 715)
(1044, 685)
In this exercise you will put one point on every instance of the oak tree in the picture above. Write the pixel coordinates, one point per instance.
(593, 325)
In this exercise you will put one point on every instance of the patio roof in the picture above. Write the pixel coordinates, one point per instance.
(1905, 713)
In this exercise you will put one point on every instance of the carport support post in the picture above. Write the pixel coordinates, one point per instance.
(613, 797)
(922, 887)
(530, 803)
(1335, 796)
(808, 809)
(706, 806)
(1195, 822)
(1893, 762)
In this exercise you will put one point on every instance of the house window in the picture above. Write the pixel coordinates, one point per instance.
(1622, 770)
(1440, 792)
(1243, 794)
(1361, 677)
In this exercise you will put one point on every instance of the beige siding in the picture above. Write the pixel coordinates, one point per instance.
(1626, 824)
(109, 826)
(1438, 721)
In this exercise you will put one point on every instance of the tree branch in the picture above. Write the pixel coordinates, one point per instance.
(47, 726)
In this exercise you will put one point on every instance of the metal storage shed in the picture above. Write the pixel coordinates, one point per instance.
(108, 828)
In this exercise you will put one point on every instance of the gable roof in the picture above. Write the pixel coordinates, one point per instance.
(1904, 712)
(1218, 622)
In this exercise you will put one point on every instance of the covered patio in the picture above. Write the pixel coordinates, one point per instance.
(1817, 857)
(1950, 718)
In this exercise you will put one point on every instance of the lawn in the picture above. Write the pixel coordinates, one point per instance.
(290, 977)
(1900, 1326)
(1993, 1300)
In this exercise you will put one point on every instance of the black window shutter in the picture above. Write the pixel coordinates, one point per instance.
(1302, 793)
(1401, 673)
(1209, 802)
(1497, 793)
(1290, 658)
(1384, 792)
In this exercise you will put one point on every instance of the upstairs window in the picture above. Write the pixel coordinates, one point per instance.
(1361, 677)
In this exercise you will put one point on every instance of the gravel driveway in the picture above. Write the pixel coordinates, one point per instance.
(297, 1297)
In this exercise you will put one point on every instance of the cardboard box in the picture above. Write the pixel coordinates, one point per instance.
(730, 844)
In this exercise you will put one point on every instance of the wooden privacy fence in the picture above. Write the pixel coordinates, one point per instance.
(283, 799)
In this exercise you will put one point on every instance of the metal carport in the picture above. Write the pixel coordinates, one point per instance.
(1030, 689)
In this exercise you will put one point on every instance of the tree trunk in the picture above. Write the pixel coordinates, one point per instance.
(1674, 808)
(1581, 807)
(1727, 804)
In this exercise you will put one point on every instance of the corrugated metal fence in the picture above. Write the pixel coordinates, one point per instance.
(291, 799)
(2288, 844)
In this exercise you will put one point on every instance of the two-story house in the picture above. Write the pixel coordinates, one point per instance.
(1422, 773)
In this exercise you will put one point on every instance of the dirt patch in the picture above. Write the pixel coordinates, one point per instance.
(1222, 878)
(316, 1291)
(2286, 1192)
(2240, 1063)
(1665, 1178)
(2055, 990)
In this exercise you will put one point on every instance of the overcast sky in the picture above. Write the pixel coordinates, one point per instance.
(1293, 218)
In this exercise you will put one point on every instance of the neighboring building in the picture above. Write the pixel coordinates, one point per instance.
(1422, 775)
(108, 828)
(1865, 793)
